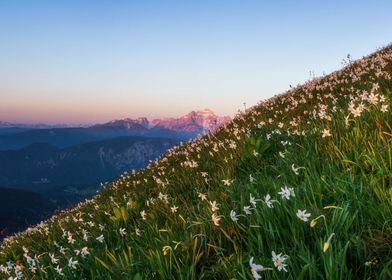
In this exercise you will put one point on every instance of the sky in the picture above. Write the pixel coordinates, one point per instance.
(72, 61)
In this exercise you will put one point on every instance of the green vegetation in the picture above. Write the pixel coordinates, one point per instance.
(235, 203)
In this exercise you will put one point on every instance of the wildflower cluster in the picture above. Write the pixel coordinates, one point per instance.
(293, 175)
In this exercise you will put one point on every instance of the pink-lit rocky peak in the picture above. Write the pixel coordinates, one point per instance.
(195, 121)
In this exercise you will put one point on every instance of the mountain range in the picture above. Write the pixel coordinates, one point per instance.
(58, 167)
(193, 122)
(4, 124)
(185, 127)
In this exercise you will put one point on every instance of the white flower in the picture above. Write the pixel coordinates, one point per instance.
(233, 216)
(286, 192)
(384, 108)
(161, 196)
(85, 236)
(53, 259)
(70, 238)
(215, 219)
(303, 215)
(373, 98)
(202, 196)
(85, 251)
(59, 271)
(358, 111)
(284, 143)
(268, 136)
(255, 268)
(143, 214)
(227, 182)
(62, 250)
(279, 261)
(214, 206)
(326, 133)
(247, 210)
(122, 232)
(4, 269)
(100, 238)
(252, 200)
(72, 264)
(174, 209)
(251, 179)
(268, 201)
(295, 169)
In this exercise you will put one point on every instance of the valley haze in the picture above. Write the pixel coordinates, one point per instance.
(60, 165)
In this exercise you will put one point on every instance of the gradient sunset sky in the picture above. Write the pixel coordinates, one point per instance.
(67, 61)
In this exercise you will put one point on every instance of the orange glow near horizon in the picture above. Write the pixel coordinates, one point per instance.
(68, 113)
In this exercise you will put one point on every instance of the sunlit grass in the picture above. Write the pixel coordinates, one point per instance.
(235, 204)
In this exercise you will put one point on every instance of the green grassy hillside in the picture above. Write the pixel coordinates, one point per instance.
(298, 187)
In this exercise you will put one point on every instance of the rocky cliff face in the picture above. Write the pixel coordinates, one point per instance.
(195, 121)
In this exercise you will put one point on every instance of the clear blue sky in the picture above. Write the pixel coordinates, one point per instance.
(91, 61)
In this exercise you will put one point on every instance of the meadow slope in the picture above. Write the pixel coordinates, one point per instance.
(297, 187)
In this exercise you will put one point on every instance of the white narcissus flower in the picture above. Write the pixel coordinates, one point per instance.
(143, 214)
(286, 192)
(326, 133)
(59, 271)
(62, 250)
(85, 251)
(255, 268)
(72, 264)
(174, 209)
(247, 210)
(373, 98)
(384, 108)
(216, 219)
(53, 259)
(233, 216)
(227, 182)
(202, 196)
(70, 238)
(295, 169)
(268, 201)
(122, 232)
(279, 261)
(100, 238)
(252, 200)
(85, 235)
(303, 215)
(214, 206)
